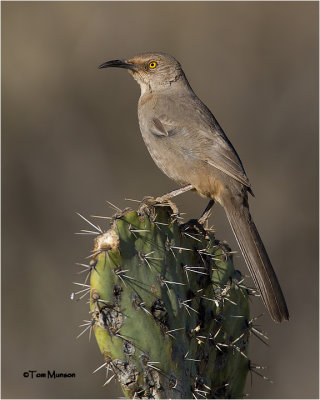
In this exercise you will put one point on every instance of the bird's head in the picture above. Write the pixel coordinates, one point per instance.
(153, 71)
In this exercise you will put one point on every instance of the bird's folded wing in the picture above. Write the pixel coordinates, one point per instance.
(223, 156)
(210, 145)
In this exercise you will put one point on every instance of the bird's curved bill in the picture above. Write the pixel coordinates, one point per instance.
(118, 64)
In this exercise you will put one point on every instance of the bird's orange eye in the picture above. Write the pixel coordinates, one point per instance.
(153, 64)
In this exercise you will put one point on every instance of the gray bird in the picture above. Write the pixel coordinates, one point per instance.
(188, 145)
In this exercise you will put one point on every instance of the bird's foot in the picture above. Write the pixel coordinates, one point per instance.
(163, 201)
(193, 225)
(197, 225)
(204, 218)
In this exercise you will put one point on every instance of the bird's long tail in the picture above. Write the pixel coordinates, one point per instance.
(257, 260)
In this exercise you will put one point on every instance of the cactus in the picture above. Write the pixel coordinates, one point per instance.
(169, 311)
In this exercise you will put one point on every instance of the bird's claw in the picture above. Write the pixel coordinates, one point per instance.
(194, 225)
(150, 201)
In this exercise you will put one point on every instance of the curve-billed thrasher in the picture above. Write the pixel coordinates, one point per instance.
(187, 143)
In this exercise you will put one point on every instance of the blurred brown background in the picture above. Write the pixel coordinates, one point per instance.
(70, 141)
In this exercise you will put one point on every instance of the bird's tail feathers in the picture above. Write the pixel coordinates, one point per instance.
(257, 260)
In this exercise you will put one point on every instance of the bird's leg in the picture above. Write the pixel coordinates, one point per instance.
(174, 193)
(206, 212)
(166, 197)
(197, 224)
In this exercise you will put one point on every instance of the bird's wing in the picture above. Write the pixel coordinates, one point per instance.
(223, 156)
(207, 141)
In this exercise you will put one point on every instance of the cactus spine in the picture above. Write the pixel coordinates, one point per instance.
(169, 312)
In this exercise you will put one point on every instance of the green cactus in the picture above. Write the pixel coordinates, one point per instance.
(169, 311)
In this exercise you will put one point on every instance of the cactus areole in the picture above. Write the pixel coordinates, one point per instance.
(169, 312)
